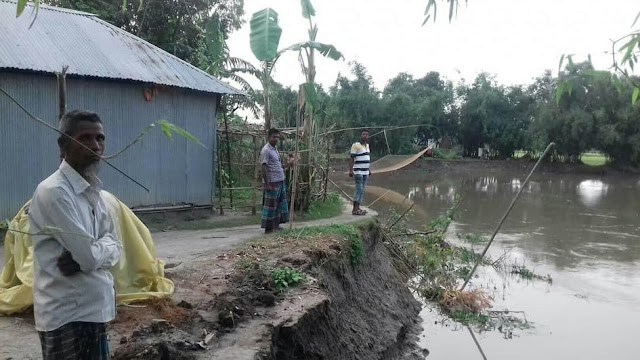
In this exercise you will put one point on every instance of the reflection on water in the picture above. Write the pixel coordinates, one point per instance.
(591, 191)
(583, 231)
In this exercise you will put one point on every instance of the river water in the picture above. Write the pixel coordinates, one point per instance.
(582, 230)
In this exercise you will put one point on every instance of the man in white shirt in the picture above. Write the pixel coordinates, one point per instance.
(74, 294)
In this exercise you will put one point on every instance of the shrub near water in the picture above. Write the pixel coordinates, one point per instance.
(438, 267)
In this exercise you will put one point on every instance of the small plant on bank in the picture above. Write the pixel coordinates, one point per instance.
(245, 264)
(287, 277)
(356, 251)
(527, 274)
(474, 239)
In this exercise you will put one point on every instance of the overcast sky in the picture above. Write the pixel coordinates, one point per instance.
(514, 39)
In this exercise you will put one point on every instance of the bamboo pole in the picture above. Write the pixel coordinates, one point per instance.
(381, 196)
(375, 127)
(226, 126)
(504, 217)
(342, 191)
(387, 141)
(219, 146)
(401, 216)
(254, 181)
(326, 175)
(294, 185)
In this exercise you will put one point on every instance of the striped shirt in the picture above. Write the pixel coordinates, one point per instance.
(361, 159)
(270, 157)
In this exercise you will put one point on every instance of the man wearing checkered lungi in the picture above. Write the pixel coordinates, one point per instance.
(275, 208)
(73, 289)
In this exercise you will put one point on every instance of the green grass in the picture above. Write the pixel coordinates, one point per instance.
(349, 233)
(482, 321)
(519, 154)
(527, 274)
(285, 278)
(593, 159)
(356, 252)
(447, 154)
(474, 239)
(318, 210)
(221, 222)
(342, 231)
(332, 207)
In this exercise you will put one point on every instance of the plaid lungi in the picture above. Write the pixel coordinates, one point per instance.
(275, 209)
(76, 340)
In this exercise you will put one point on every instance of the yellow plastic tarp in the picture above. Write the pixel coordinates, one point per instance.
(138, 276)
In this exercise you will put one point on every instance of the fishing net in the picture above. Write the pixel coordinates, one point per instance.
(394, 162)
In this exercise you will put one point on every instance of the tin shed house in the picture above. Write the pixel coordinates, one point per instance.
(128, 82)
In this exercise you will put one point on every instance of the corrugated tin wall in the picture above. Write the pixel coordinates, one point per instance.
(176, 171)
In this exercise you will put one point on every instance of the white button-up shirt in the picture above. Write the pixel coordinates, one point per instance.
(66, 201)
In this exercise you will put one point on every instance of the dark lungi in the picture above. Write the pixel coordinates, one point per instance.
(76, 340)
(275, 208)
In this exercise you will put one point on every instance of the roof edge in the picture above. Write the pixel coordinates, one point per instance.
(51, 8)
(232, 90)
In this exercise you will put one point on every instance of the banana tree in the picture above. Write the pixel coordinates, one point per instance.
(309, 98)
(264, 40)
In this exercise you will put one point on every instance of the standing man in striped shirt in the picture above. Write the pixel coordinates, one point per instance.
(359, 169)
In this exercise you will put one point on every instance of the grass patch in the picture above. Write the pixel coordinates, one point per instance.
(319, 209)
(527, 274)
(447, 154)
(245, 264)
(347, 235)
(356, 251)
(474, 239)
(344, 231)
(593, 159)
(471, 318)
(285, 278)
(216, 222)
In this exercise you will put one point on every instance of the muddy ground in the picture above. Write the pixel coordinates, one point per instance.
(342, 311)
(226, 305)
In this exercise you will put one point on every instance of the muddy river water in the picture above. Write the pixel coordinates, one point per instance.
(582, 230)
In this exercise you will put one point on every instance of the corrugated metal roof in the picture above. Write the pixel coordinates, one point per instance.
(92, 47)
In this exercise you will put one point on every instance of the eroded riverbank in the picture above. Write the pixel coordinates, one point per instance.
(350, 303)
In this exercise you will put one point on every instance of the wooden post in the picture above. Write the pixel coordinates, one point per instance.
(219, 174)
(226, 131)
(327, 167)
(62, 91)
(294, 184)
(256, 166)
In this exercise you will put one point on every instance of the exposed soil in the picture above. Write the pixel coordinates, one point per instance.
(369, 313)
(343, 311)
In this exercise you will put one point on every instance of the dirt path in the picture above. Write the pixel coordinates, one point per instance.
(181, 246)
(19, 340)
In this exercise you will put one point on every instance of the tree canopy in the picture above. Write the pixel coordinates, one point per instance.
(177, 27)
